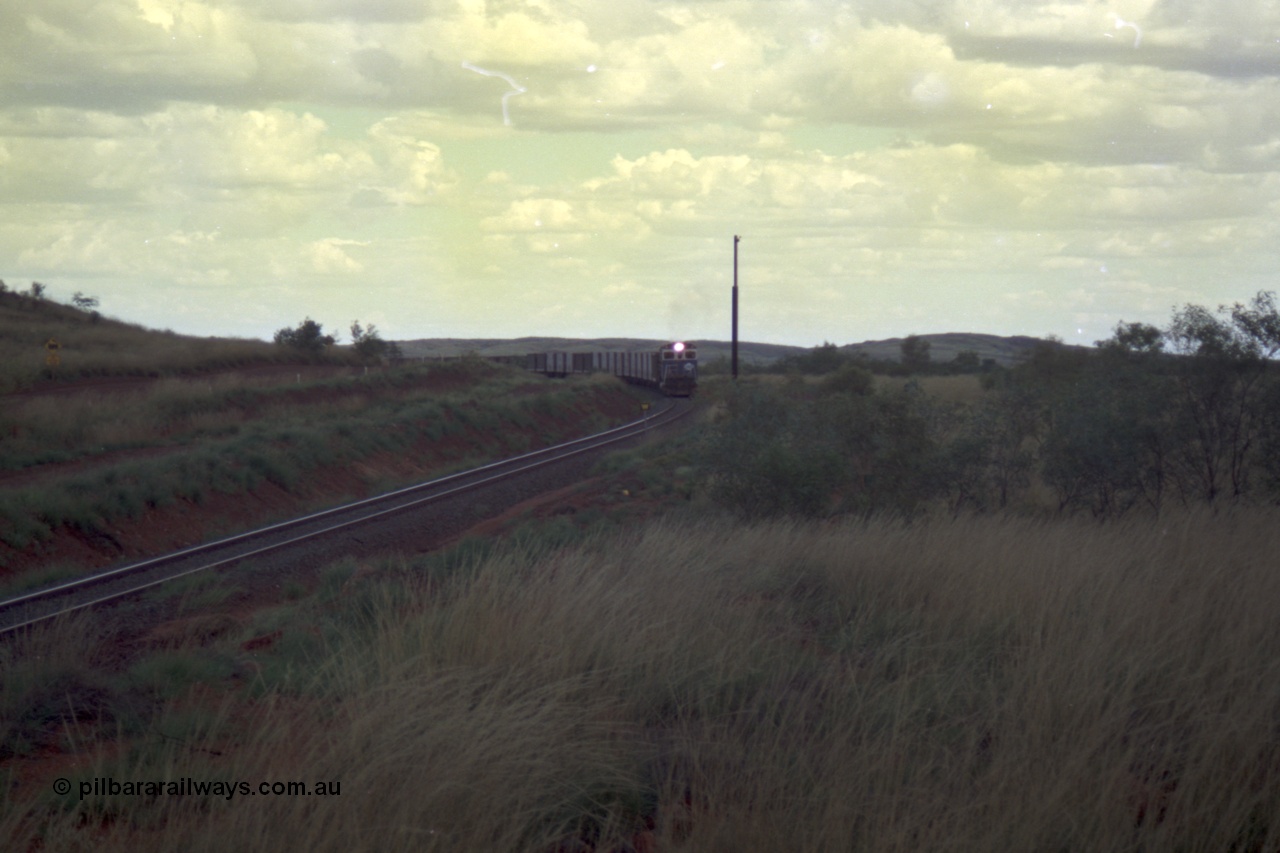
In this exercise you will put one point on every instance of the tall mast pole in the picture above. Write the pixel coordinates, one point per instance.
(736, 238)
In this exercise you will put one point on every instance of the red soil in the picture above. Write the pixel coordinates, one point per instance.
(161, 530)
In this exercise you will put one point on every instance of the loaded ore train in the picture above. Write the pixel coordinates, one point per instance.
(672, 368)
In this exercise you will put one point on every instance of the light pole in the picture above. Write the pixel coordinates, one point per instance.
(736, 238)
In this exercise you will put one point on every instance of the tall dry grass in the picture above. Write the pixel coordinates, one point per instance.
(978, 684)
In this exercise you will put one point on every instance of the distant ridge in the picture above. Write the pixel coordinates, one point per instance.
(707, 350)
(1006, 351)
(943, 347)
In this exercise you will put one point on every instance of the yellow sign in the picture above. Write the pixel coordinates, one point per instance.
(52, 359)
(52, 344)
(644, 406)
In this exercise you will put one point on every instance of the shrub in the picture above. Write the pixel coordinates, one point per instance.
(309, 336)
(774, 456)
(850, 379)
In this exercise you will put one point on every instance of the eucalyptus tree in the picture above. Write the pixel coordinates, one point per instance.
(1223, 376)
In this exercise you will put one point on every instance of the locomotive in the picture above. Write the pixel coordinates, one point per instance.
(672, 368)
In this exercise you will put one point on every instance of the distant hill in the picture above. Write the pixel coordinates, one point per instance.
(943, 347)
(444, 347)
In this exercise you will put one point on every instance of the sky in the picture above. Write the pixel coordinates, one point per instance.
(502, 168)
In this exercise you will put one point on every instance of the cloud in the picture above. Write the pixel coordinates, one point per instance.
(328, 257)
(121, 55)
(203, 145)
(945, 70)
(414, 168)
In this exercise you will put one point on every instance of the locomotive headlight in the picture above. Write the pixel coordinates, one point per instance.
(678, 347)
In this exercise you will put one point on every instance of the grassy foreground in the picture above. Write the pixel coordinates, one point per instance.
(989, 683)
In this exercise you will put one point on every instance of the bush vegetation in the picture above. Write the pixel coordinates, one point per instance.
(308, 337)
(1187, 415)
(916, 360)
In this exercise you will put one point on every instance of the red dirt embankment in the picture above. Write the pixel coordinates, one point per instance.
(160, 530)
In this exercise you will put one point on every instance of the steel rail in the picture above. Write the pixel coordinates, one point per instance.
(524, 463)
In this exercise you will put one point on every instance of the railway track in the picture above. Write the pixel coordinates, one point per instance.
(40, 605)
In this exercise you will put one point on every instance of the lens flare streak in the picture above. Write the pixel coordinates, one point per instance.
(1137, 31)
(516, 88)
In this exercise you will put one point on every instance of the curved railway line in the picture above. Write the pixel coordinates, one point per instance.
(43, 604)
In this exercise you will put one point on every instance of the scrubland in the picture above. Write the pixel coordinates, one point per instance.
(958, 684)
(87, 461)
(1036, 610)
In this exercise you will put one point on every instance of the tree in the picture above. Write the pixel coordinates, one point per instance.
(309, 336)
(1134, 338)
(1259, 322)
(762, 461)
(1222, 378)
(990, 457)
(915, 354)
(967, 361)
(84, 303)
(1110, 445)
(1269, 439)
(37, 290)
(364, 341)
(369, 344)
(817, 361)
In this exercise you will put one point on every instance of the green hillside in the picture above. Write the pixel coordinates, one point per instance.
(90, 345)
